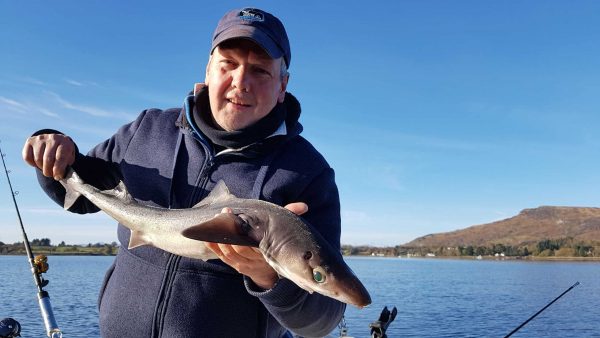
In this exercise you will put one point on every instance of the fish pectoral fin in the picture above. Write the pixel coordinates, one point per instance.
(137, 238)
(224, 228)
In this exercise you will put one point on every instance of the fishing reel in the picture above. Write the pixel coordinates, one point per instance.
(9, 328)
(40, 265)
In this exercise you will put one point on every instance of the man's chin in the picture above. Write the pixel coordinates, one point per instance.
(233, 125)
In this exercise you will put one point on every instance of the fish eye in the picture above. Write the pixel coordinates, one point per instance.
(319, 275)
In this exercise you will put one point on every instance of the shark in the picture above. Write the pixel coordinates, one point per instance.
(294, 249)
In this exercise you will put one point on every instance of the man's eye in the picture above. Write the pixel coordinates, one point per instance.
(227, 63)
(262, 71)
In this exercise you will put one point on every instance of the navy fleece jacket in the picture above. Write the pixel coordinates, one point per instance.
(164, 162)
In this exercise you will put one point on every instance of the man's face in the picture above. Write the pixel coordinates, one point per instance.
(244, 84)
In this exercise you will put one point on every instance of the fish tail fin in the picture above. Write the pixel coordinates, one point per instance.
(71, 194)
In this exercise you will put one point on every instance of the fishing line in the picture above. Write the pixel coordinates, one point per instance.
(38, 266)
(537, 313)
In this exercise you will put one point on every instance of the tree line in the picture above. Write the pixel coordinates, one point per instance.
(44, 246)
(564, 247)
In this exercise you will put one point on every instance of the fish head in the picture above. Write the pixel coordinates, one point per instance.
(292, 247)
(306, 258)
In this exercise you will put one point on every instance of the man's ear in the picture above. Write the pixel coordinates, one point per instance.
(206, 72)
(284, 83)
(198, 86)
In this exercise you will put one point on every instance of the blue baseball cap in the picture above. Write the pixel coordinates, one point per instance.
(257, 25)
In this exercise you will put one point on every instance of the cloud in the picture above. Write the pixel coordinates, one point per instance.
(48, 112)
(13, 105)
(49, 108)
(74, 83)
(24, 107)
(81, 83)
(32, 80)
(90, 110)
(11, 102)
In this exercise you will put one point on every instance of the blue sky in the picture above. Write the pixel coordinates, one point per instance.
(436, 115)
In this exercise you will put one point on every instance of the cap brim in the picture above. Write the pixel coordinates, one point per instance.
(252, 33)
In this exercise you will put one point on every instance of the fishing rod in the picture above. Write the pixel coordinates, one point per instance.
(39, 265)
(544, 308)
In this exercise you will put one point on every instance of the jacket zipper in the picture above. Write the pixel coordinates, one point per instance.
(173, 260)
(164, 295)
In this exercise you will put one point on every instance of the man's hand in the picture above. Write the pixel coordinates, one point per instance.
(51, 153)
(248, 260)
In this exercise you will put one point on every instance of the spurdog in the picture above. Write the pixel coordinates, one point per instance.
(292, 247)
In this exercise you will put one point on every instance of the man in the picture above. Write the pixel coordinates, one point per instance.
(240, 126)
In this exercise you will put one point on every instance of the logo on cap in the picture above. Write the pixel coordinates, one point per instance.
(251, 14)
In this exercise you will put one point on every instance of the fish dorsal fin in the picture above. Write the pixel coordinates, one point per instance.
(137, 238)
(219, 193)
(120, 191)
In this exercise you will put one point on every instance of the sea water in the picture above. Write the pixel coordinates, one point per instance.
(434, 297)
(478, 298)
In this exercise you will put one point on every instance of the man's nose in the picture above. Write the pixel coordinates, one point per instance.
(241, 79)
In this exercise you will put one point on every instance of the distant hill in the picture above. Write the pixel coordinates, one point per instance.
(528, 227)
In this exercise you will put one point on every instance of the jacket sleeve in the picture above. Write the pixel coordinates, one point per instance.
(100, 167)
(306, 314)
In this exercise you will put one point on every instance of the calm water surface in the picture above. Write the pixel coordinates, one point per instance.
(435, 298)
(470, 298)
(74, 285)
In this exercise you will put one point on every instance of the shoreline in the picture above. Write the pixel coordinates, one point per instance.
(484, 258)
(493, 258)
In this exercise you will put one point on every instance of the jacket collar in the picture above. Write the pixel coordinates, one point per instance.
(287, 130)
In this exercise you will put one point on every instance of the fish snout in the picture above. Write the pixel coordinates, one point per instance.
(349, 289)
(361, 297)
